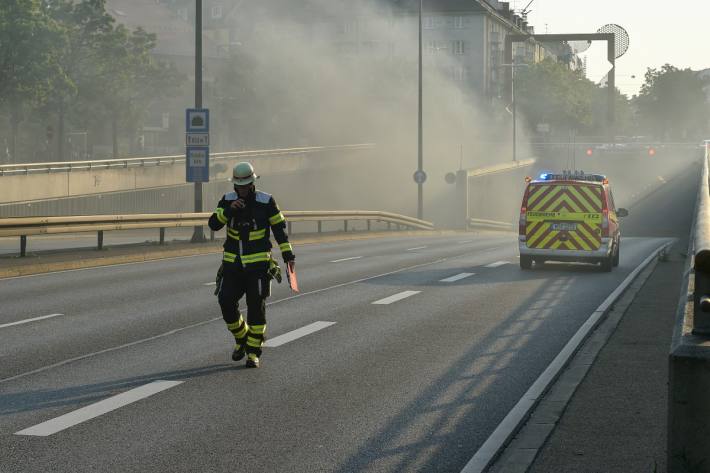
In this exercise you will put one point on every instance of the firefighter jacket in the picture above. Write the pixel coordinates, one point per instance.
(248, 241)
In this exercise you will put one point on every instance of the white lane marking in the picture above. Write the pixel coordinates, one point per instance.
(298, 333)
(490, 448)
(457, 277)
(26, 321)
(97, 409)
(465, 241)
(416, 248)
(209, 321)
(396, 297)
(346, 259)
(210, 283)
(496, 264)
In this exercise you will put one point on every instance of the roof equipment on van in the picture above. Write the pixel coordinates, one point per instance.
(573, 176)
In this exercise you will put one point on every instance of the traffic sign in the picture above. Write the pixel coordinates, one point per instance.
(197, 139)
(419, 177)
(197, 120)
(197, 164)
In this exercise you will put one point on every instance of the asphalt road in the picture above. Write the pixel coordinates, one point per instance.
(412, 372)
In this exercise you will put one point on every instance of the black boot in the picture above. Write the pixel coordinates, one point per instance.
(252, 361)
(239, 352)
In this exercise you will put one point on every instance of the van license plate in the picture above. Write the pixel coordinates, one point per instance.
(564, 227)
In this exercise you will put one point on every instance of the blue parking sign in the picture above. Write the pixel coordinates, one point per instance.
(197, 164)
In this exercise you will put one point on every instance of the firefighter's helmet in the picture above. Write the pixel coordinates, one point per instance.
(243, 174)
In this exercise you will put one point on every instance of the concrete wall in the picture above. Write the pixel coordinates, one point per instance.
(35, 187)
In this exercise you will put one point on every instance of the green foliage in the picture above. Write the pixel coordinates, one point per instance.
(549, 92)
(29, 69)
(672, 104)
(69, 59)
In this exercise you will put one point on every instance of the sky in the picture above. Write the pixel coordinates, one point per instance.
(660, 32)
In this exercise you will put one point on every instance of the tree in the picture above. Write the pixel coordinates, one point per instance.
(29, 70)
(672, 103)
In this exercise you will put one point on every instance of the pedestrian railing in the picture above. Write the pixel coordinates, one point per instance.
(68, 166)
(23, 227)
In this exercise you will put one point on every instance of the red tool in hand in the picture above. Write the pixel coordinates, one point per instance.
(291, 276)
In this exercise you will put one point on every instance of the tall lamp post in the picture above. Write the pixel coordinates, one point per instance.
(198, 235)
(513, 67)
(420, 151)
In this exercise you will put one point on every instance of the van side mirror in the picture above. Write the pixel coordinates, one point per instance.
(621, 213)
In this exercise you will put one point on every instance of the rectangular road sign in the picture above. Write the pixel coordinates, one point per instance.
(197, 120)
(197, 139)
(197, 164)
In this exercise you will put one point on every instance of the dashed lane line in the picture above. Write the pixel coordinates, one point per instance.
(396, 297)
(298, 333)
(496, 264)
(26, 321)
(457, 277)
(209, 321)
(346, 259)
(97, 409)
(416, 248)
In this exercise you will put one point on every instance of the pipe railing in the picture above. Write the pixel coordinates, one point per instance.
(701, 265)
(28, 226)
(67, 166)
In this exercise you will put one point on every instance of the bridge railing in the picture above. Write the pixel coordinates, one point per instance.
(68, 166)
(689, 359)
(23, 227)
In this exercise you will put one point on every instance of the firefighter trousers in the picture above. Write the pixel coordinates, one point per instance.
(256, 285)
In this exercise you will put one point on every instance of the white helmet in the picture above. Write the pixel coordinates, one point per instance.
(243, 174)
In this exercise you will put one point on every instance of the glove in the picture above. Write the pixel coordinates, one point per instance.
(288, 256)
(274, 271)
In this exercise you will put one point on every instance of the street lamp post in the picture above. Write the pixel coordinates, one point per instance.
(420, 151)
(198, 235)
(513, 66)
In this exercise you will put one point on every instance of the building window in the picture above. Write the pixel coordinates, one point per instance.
(458, 22)
(217, 12)
(459, 73)
(457, 47)
(428, 22)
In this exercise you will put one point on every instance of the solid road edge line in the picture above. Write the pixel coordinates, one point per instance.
(507, 428)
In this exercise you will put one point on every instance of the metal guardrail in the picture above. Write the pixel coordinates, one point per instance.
(67, 166)
(496, 168)
(701, 301)
(27, 226)
(491, 224)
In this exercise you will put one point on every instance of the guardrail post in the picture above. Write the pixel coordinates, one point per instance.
(100, 237)
(211, 235)
(162, 235)
(23, 245)
(320, 226)
(389, 225)
(345, 226)
(368, 225)
(289, 227)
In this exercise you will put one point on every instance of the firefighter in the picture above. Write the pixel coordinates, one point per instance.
(250, 216)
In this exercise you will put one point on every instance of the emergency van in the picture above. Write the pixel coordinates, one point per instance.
(569, 217)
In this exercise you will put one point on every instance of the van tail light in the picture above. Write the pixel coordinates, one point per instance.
(605, 223)
(523, 213)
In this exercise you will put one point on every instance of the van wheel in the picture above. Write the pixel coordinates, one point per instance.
(615, 261)
(607, 263)
(525, 262)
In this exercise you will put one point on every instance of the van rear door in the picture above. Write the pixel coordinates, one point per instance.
(564, 216)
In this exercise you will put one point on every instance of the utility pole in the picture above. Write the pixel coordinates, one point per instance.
(198, 235)
(513, 66)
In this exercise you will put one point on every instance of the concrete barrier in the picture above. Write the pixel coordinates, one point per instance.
(689, 359)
